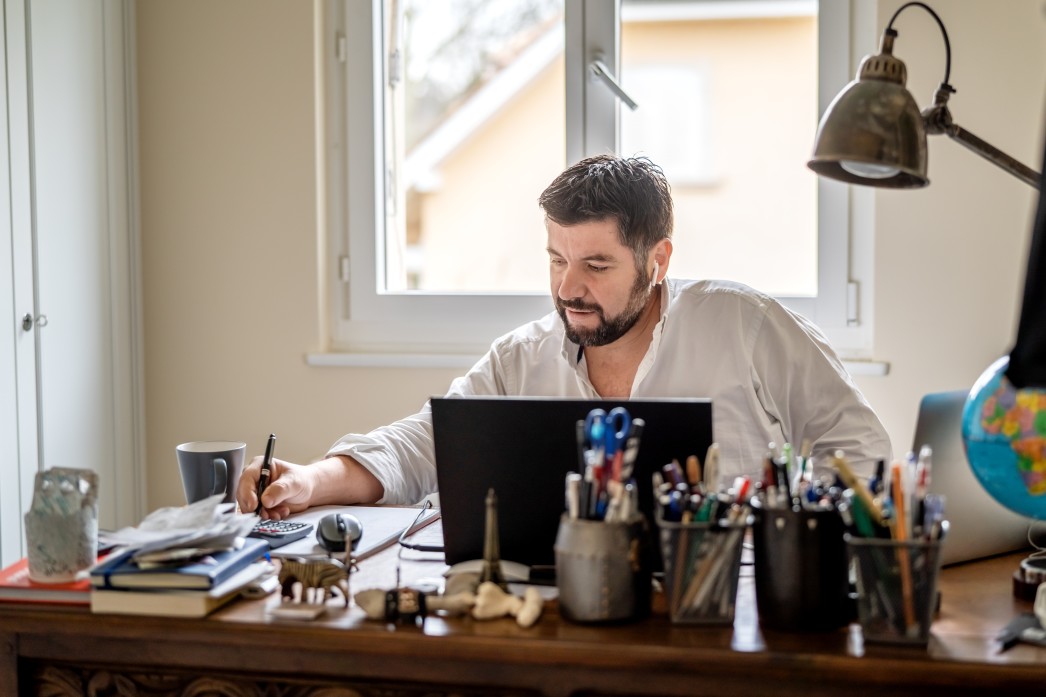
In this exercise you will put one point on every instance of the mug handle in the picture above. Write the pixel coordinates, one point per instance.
(221, 476)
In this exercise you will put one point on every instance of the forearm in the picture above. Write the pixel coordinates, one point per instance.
(342, 480)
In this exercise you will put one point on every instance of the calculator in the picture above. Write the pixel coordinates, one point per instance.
(280, 532)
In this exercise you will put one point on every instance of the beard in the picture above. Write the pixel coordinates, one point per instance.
(609, 329)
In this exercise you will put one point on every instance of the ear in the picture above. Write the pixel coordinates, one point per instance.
(661, 253)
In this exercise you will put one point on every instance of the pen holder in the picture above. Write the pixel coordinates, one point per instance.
(896, 587)
(801, 573)
(602, 570)
(702, 563)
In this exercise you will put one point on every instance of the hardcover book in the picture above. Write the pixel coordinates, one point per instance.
(161, 602)
(15, 587)
(120, 570)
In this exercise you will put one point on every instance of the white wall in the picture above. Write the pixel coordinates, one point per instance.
(229, 229)
(230, 243)
(949, 259)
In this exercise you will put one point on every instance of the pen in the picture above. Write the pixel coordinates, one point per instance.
(266, 470)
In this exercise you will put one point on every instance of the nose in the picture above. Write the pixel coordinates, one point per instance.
(571, 285)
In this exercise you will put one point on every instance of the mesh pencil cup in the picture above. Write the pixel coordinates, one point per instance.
(896, 587)
(702, 562)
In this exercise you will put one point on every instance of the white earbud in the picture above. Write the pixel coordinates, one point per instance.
(653, 276)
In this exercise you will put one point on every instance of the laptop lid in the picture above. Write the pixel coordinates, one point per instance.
(523, 447)
(979, 525)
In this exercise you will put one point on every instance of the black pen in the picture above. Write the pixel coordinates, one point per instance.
(266, 470)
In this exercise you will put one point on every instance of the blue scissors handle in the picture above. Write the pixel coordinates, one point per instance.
(618, 424)
(595, 428)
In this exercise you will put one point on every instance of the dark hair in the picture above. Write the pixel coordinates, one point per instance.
(631, 190)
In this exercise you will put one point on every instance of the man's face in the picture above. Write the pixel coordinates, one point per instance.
(598, 292)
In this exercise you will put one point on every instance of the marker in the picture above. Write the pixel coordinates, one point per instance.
(266, 470)
(711, 473)
(573, 495)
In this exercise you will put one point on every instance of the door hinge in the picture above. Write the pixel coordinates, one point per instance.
(343, 268)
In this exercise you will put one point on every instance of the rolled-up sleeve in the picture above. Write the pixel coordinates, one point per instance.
(402, 455)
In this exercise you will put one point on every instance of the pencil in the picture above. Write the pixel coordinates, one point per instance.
(900, 535)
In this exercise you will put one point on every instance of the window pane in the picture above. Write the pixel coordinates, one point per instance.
(475, 129)
(727, 97)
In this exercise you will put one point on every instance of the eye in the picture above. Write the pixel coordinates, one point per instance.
(556, 261)
(597, 269)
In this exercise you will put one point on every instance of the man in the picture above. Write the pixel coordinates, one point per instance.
(620, 330)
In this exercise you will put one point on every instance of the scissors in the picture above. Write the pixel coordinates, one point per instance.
(595, 430)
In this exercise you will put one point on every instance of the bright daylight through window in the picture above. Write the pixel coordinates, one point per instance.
(445, 120)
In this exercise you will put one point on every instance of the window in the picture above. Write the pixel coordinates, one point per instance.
(442, 124)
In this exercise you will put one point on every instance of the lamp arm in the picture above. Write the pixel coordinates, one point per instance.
(991, 153)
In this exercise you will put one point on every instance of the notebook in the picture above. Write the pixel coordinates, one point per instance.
(979, 526)
(119, 570)
(523, 447)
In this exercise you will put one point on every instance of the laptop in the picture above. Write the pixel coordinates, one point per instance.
(523, 447)
(979, 526)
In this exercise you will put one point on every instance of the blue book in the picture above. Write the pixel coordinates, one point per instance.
(119, 569)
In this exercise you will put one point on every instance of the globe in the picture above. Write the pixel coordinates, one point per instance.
(1004, 433)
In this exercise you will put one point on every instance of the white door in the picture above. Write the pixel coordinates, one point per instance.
(83, 259)
(18, 405)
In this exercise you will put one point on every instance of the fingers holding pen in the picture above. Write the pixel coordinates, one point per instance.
(247, 487)
(287, 491)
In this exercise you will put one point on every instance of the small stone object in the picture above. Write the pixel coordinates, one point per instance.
(61, 525)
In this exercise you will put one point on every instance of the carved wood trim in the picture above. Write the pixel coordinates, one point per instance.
(82, 681)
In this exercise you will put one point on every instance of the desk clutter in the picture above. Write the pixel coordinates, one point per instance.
(825, 550)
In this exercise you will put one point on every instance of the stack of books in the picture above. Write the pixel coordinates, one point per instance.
(176, 582)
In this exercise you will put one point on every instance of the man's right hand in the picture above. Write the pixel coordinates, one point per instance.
(289, 490)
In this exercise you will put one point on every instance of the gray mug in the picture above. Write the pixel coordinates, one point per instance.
(210, 467)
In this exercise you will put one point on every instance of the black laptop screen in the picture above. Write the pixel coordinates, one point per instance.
(523, 447)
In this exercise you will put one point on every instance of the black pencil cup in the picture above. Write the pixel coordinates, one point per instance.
(801, 570)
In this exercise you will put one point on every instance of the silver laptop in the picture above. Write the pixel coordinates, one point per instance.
(979, 525)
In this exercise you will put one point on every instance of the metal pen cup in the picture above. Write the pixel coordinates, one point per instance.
(602, 570)
(896, 587)
(702, 563)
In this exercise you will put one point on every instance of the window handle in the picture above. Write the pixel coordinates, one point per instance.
(600, 72)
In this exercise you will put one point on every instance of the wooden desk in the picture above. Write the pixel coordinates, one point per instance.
(239, 652)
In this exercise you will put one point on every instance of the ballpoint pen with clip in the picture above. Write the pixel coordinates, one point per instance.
(266, 470)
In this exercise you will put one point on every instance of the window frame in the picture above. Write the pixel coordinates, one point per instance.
(362, 326)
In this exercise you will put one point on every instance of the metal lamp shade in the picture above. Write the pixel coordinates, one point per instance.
(872, 133)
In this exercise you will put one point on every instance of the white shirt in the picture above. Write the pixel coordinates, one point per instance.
(770, 373)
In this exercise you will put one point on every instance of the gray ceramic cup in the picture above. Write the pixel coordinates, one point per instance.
(210, 467)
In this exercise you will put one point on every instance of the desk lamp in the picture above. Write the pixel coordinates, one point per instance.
(873, 134)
